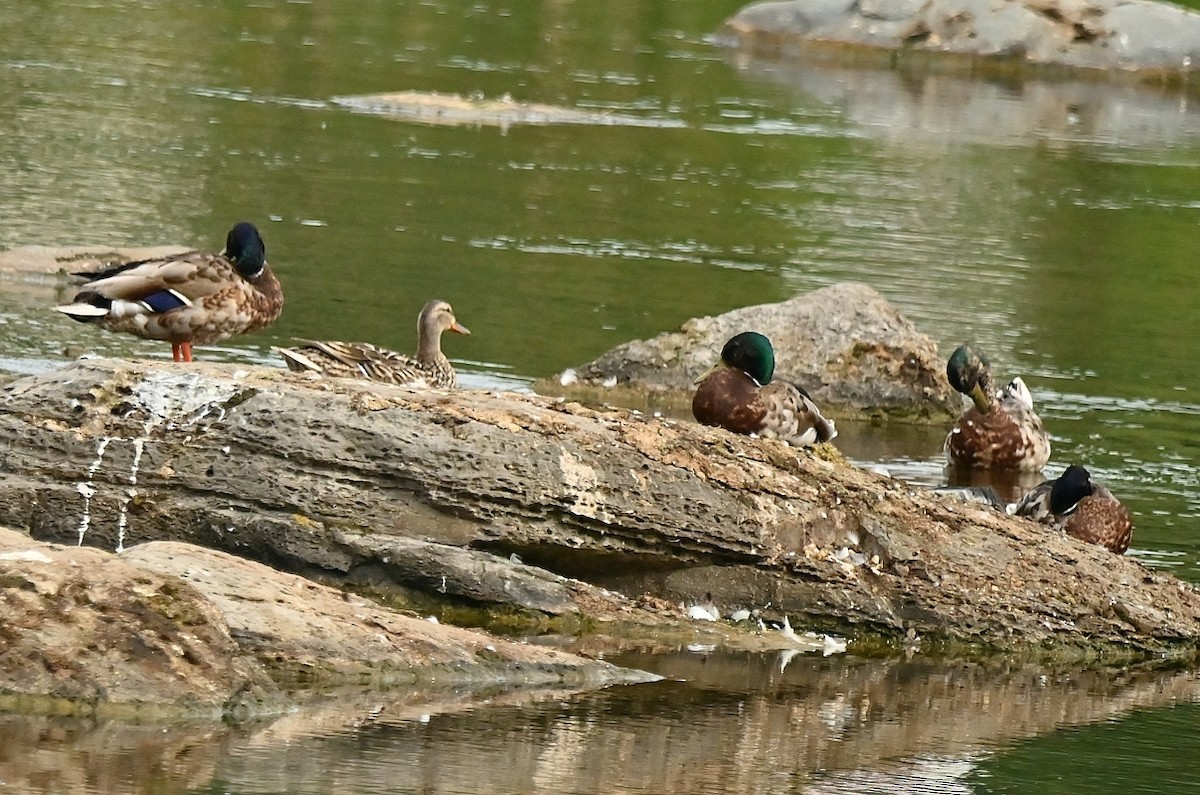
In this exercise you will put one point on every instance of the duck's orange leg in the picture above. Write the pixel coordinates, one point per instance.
(181, 351)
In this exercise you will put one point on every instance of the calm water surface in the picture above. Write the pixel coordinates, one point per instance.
(1053, 223)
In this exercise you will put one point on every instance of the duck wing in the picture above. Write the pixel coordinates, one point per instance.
(189, 277)
(1100, 518)
(792, 415)
(354, 360)
(195, 297)
(1035, 504)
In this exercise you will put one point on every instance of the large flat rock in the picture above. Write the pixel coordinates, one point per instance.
(344, 478)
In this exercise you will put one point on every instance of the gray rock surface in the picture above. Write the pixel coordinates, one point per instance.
(168, 627)
(322, 476)
(846, 344)
(1122, 35)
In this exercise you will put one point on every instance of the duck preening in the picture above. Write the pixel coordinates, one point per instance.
(195, 297)
(739, 395)
(430, 368)
(1076, 504)
(1000, 430)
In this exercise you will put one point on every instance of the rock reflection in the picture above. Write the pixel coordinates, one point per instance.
(920, 104)
(71, 755)
(721, 723)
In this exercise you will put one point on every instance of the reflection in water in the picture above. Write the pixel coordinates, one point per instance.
(74, 756)
(920, 776)
(939, 111)
(722, 723)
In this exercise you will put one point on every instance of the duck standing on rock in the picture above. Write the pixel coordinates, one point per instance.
(195, 297)
(1073, 502)
(1000, 431)
(430, 368)
(738, 395)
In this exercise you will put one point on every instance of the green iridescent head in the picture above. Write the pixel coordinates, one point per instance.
(967, 371)
(751, 353)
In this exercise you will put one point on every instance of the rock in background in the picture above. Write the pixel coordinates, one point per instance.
(846, 344)
(1134, 36)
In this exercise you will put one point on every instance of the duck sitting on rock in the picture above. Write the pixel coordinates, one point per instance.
(739, 395)
(195, 297)
(430, 368)
(1001, 430)
(1076, 504)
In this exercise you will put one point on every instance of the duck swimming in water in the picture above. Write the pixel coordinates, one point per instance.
(739, 395)
(1000, 430)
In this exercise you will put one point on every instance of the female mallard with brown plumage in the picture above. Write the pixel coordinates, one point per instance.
(430, 368)
(738, 395)
(196, 297)
(1000, 431)
(1074, 503)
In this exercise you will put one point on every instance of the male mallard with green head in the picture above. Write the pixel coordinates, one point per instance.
(739, 395)
(1073, 502)
(196, 297)
(1000, 431)
(430, 368)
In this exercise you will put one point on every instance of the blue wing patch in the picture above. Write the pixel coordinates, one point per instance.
(164, 301)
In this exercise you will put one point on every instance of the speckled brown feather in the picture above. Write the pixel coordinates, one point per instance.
(1008, 436)
(224, 303)
(996, 441)
(792, 416)
(364, 360)
(1098, 518)
(730, 399)
(430, 368)
(1101, 519)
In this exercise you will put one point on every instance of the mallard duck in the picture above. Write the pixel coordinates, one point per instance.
(1083, 508)
(364, 360)
(738, 395)
(1000, 431)
(196, 297)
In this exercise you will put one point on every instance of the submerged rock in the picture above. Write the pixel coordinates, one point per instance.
(846, 344)
(1117, 35)
(427, 107)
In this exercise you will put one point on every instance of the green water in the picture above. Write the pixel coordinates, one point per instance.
(1053, 223)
